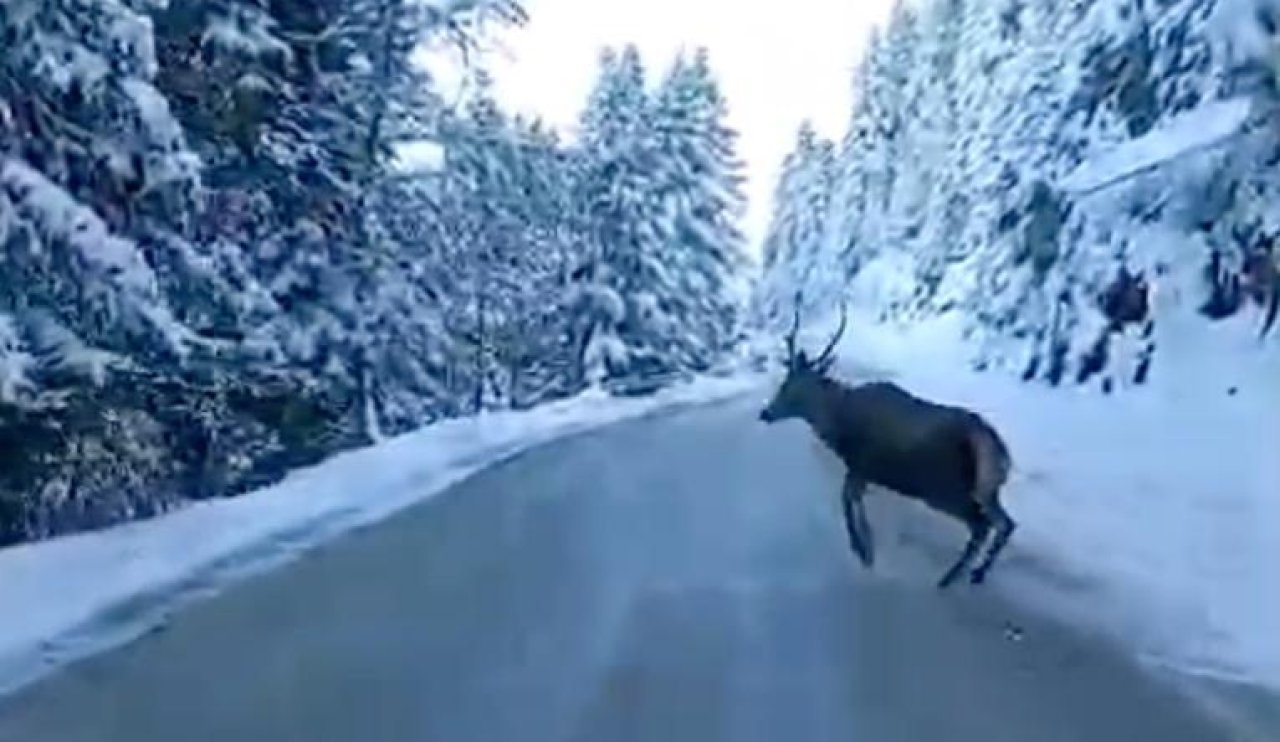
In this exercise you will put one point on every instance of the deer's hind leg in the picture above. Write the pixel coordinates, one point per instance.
(1004, 527)
(979, 527)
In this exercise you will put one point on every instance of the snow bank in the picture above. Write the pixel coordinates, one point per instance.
(1164, 500)
(74, 596)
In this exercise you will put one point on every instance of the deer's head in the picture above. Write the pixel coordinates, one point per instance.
(804, 376)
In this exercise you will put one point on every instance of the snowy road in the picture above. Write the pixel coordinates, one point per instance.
(674, 578)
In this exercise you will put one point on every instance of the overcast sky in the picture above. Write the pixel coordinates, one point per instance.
(778, 63)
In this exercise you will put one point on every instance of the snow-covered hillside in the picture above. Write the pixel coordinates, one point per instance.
(1053, 170)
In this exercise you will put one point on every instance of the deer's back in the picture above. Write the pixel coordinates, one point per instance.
(911, 445)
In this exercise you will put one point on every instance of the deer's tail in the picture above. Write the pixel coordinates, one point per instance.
(992, 461)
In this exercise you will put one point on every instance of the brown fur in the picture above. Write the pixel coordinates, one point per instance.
(947, 457)
(992, 459)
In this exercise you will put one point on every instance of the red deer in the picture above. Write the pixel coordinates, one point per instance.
(948, 458)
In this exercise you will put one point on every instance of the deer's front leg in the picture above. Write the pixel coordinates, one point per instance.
(855, 518)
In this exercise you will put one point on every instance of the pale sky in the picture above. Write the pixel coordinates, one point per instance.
(778, 63)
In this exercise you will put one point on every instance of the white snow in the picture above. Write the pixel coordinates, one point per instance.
(74, 596)
(16, 363)
(1193, 131)
(1237, 30)
(153, 110)
(886, 283)
(65, 61)
(419, 156)
(247, 34)
(61, 217)
(1154, 514)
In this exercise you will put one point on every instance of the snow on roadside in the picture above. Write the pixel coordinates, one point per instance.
(74, 596)
(1164, 499)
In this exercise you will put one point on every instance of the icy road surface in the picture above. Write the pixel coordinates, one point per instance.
(682, 577)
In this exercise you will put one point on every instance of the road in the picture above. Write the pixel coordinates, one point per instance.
(674, 578)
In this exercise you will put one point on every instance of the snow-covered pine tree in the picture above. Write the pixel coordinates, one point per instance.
(975, 135)
(911, 68)
(483, 168)
(412, 349)
(1138, 64)
(1019, 242)
(388, 100)
(990, 42)
(872, 153)
(938, 150)
(90, 153)
(495, 228)
(620, 274)
(1243, 38)
(96, 186)
(156, 345)
(254, 86)
(702, 181)
(844, 238)
(794, 239)
(896, 102)
(534, 349)
(309, 103)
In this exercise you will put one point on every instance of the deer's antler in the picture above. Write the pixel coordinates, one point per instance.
(828, 354)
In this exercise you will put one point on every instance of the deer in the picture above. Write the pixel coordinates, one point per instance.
(947, 457)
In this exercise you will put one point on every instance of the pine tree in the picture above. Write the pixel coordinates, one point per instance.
(313, 100)
(622, 274)
(702, 181)
(164, 335)
(967, 115)
(216, 269)
(253, 85)
(97, 186)
(794, 239)
(535, 353)
(845, 238)
(884, 105)
(93, 171)
(940, 151)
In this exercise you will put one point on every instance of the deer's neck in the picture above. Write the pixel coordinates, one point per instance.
(822, 411)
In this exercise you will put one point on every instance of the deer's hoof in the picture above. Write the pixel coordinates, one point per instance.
(864, 555)
(977, 577)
